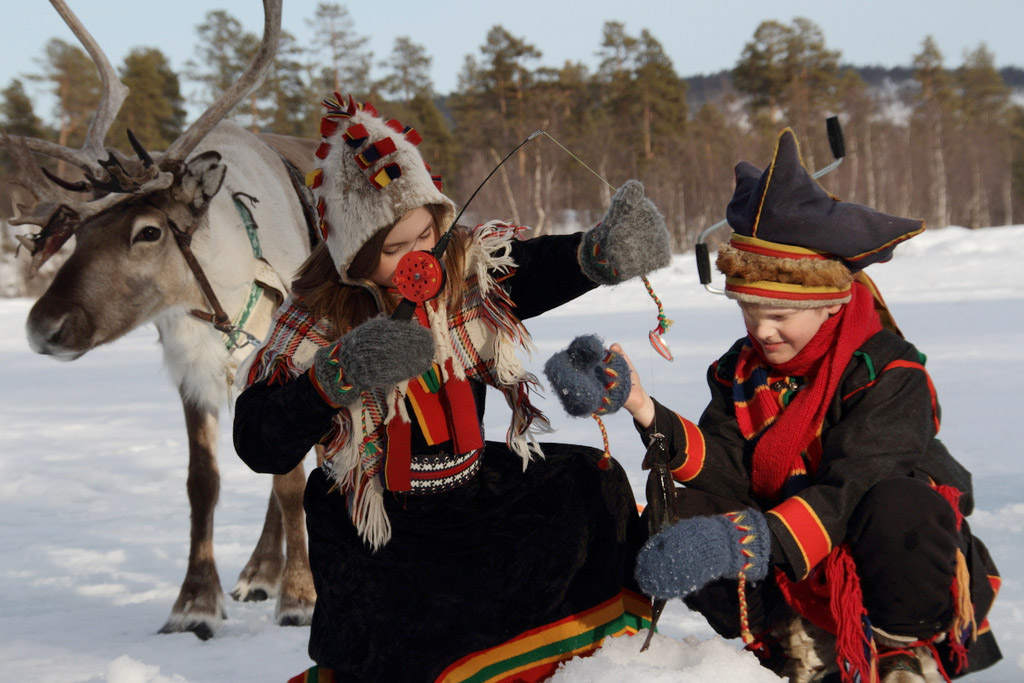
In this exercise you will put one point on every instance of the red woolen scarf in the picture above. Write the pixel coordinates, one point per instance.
(821, 363)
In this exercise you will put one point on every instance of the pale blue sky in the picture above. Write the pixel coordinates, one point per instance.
(699, 37)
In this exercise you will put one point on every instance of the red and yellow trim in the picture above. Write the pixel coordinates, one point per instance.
(787, 292)
(535, 654)
(696, 452)
(754, 245)
(806, 529)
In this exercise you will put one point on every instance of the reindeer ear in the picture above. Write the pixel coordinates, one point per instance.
(202, 178)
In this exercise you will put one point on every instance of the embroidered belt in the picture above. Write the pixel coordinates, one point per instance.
(442, 471)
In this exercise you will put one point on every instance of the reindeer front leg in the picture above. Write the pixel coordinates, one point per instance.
(200, 604)
(269, 572)
(298, 596)
(260, 578)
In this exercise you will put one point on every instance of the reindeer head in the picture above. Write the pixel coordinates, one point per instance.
(110, 181)
(124, 213)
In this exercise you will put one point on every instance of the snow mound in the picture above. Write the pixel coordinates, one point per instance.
(667, 660)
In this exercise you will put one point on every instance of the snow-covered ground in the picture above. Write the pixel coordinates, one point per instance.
(94, 516)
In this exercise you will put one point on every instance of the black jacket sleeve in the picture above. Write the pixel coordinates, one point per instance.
(710, 455)
(547, 274)
(275, 426)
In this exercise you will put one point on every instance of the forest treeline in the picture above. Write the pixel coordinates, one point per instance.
(931, 140)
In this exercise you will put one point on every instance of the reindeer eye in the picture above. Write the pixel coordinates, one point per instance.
(150, 233)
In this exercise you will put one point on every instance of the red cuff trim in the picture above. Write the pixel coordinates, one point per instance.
(806, 529)
(695, 452)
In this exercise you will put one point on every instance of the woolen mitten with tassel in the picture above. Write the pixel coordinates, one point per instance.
(630, 241)
(379, 353)
(588, 378)
(694, 552)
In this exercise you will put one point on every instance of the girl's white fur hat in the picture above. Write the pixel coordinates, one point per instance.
(368, 174)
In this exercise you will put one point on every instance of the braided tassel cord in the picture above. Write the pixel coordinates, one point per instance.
(605, 461)
(655, 335)
(737, 519)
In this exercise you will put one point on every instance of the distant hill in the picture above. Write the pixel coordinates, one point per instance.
(713, 87)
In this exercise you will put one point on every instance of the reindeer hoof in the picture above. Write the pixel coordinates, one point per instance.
(252, 591)
(251, 594)
(201, 629)
(294, 612)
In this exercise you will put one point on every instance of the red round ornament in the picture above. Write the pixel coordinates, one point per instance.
(419, 276)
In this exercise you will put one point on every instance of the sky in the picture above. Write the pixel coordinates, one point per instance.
(93, 463)
(699, 37)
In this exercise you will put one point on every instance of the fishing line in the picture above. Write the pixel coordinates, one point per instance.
(655, 335)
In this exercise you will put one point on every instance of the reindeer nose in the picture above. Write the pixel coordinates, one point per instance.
(44, 333)
(47, 335)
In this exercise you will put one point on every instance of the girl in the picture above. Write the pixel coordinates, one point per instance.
(437, 555)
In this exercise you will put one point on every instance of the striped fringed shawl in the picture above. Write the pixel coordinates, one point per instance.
(482, 339)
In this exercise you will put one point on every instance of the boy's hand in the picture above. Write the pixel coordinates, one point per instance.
(638, 403)
(693, 552)
(588, 378)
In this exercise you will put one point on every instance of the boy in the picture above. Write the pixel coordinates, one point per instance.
(814, 473)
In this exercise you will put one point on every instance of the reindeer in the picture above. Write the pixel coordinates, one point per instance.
(200, 240)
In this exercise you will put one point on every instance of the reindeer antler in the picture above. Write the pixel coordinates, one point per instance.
(114, 91)
(106, 176)
(246, 83)
(58, 212)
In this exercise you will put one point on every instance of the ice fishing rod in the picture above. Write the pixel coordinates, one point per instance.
(834, 131)
(420, 275)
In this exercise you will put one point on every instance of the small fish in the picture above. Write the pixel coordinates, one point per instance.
(661, 510)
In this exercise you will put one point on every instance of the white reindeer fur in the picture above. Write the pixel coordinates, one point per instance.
(194, 351)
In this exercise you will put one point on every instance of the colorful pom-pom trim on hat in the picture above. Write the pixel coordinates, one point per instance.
(356, 137)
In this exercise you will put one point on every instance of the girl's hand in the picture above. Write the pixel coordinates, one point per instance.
(631, 240)
(638, 403)
(378, 354)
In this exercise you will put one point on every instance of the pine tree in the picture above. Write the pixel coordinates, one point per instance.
(76, 84)
(790, 76)
(346, 68)
(287, 104)
(17, 115)
(409, 71)
(223, 51)
(984, 106)
(932, 109)
(155, 107)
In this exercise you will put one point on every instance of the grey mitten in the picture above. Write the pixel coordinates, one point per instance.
(589, 378)
(379, 353)
(694, 552)
(631, 240)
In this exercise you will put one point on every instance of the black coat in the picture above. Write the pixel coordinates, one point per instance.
(466, 569)
(882, 423)
(880, 458)
(276, 426)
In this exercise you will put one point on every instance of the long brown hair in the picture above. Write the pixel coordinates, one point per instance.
(318, 289)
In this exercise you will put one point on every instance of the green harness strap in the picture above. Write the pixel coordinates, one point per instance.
(255, 290)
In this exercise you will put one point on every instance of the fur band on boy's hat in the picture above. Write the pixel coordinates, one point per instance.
(795, 242)
(368, 174)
